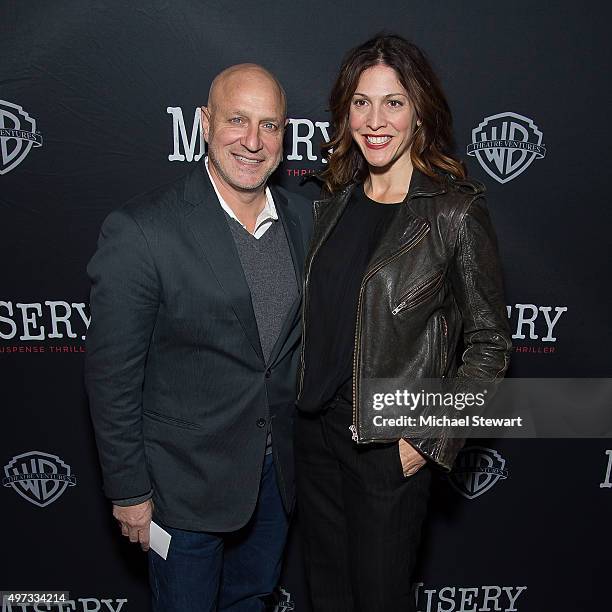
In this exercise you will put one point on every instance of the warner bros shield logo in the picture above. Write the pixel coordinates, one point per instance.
(476, 470)
(38, 477)
(17, 135)
(506, 144)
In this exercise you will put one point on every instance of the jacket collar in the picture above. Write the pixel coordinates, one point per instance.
(208, 224)
(200, 193)
(425, 186)
(421, 185)
(211, 231)
(405, 227)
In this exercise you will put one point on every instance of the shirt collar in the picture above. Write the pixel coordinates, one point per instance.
(265, 217)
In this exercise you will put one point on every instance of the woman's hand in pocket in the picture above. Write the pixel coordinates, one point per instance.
(412, 460)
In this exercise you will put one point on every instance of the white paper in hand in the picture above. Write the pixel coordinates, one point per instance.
(159, 540)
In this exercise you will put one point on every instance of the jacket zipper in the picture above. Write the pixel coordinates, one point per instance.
(428, 288)
(307, 276)
(444, 345)
(407, 247)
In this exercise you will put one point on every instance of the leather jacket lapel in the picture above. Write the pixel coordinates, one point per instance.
(403, 230)
(406, 226)
(326, 216)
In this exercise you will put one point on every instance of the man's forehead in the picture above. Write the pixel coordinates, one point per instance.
(250, 102)
(246, 86)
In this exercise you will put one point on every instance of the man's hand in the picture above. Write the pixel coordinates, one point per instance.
(412, 460)
(135, 521)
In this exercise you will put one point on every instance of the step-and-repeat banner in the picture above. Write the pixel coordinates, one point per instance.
(99, 101)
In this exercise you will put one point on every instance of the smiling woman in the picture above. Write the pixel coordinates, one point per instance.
(402, 282)
(382, 124)
(390, 81)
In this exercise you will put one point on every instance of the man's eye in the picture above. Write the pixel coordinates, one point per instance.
(237, 120)
(270, 126)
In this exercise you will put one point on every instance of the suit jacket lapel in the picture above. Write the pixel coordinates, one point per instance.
(293, 231)
(207, 222)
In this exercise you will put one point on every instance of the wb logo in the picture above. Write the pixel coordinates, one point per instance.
(506, 144)
(17, 135)
(38, 477)
(476, 470)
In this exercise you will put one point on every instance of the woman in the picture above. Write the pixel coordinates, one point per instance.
(402, 281)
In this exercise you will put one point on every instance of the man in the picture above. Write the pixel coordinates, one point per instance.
(192, 356)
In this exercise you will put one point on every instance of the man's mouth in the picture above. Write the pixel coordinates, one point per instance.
(376, 142)
(247, 160)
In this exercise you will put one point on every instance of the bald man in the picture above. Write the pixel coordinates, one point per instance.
(192, 355)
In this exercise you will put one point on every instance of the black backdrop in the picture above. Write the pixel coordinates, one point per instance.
(92, 96)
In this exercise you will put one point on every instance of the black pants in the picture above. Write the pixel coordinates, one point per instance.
(360, 518)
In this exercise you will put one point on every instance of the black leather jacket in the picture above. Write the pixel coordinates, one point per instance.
(432, 288)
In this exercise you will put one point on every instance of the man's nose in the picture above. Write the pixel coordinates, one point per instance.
(251, 139)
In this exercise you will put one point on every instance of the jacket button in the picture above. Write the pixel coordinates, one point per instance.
(261, 422)
(268, 374)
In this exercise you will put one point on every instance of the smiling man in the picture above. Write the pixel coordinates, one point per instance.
(192, 356)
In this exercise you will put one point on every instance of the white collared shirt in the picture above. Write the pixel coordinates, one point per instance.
(265, 217)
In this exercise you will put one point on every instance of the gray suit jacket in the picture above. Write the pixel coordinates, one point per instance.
(179, 392)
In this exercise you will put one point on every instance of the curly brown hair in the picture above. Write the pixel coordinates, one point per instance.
(432, 141)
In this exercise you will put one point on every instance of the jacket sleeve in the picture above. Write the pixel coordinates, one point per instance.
(124, 302)
(476, 278)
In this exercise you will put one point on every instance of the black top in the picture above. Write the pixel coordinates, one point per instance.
(335, 278)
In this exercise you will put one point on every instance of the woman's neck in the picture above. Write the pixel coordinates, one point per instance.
(388, 185)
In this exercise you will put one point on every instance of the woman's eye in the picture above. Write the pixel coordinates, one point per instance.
(359, 102)
(395, 103)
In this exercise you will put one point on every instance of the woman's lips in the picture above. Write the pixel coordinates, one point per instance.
(376, 142)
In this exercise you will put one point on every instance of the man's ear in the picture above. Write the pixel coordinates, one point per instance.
(205, 121)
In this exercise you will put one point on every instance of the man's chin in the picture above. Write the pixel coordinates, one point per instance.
(240, 182)
(249, 185)
(251, 182)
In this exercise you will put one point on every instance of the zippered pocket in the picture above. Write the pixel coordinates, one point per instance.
(419, 294)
